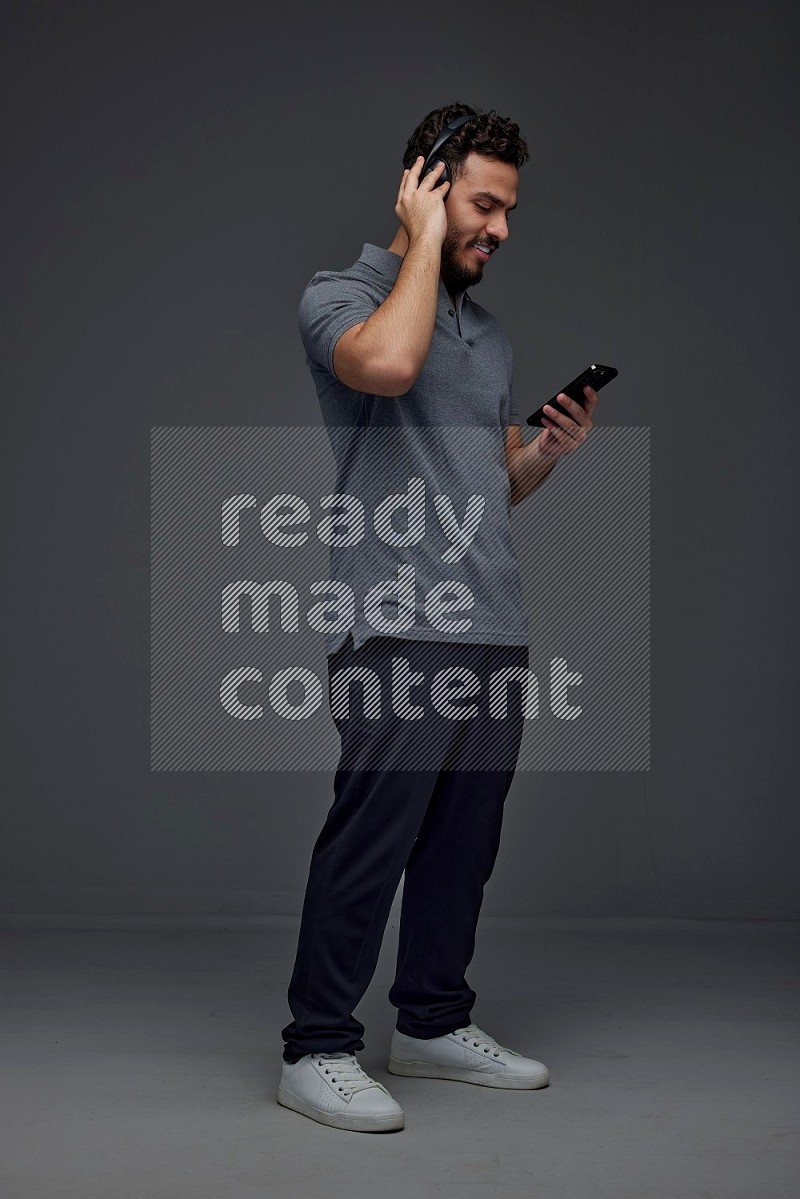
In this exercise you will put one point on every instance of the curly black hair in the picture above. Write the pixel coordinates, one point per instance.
(490, 134)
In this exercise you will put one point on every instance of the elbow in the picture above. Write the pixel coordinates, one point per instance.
(366, 368)
(394, 371)
(405, 381)
(395, 378)
(377, 370)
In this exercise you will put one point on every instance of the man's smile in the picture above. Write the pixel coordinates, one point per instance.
(483, 249)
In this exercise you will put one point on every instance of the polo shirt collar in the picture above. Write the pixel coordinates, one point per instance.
(387, 263)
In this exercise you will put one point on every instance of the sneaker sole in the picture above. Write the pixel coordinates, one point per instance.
(359, 1123)
(509, 1082)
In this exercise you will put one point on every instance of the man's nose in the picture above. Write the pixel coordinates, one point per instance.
(497, 227)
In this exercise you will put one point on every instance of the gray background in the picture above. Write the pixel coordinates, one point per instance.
(174, 175)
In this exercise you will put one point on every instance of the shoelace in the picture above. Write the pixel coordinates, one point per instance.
(344, 1069)
(481, 1040)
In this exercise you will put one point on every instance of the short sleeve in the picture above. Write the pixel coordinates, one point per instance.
(512, 413)
(329, 306)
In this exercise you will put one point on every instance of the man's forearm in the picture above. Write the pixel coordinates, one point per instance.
(400, 331)
(527, 469)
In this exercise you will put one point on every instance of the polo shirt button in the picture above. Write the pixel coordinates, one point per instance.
(451, 311)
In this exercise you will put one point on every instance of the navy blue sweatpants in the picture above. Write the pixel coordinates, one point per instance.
(424, 795)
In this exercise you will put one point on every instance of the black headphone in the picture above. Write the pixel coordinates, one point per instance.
(433, 158)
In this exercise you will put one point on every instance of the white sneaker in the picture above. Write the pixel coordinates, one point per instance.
(466, 1055)
(333, 1089)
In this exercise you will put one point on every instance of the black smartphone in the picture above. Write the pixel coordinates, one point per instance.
(594, 376)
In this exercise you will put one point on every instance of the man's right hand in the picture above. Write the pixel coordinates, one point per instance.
(421, 208)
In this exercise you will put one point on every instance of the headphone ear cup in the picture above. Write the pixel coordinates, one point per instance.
(444, 176)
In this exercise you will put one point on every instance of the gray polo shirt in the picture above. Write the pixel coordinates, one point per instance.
(439, 450)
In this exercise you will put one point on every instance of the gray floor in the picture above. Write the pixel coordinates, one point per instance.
(143, 1061)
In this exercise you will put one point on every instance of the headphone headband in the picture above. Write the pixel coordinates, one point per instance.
(446, 132)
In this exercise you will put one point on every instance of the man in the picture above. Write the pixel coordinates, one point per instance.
(414, 383)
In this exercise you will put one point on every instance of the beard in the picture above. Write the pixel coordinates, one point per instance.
(457, 275)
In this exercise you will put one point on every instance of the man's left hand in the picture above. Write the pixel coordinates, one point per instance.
(564, 433)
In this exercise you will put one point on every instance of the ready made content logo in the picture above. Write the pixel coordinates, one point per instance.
(272, 554)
